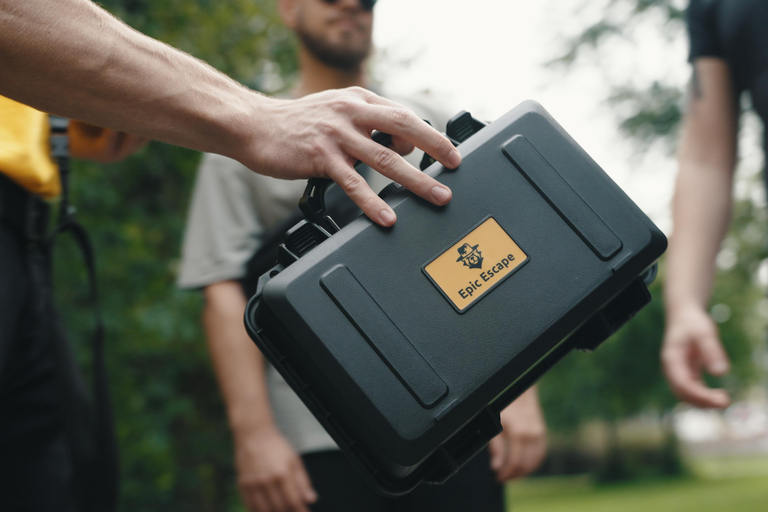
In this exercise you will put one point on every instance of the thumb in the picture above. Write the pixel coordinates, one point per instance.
(713, 356)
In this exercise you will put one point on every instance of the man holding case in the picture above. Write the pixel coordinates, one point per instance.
(231, 209)
(72, 58)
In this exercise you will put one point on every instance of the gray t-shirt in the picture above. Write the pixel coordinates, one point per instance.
(231, 207)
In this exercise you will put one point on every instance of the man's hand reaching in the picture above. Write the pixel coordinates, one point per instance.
(692, 344)
(522, 445)
(151, 90)
(271, 475)
(324, 134)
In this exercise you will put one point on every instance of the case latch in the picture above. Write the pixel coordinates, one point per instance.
(458, 129)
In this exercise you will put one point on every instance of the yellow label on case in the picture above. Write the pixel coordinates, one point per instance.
(475, 264)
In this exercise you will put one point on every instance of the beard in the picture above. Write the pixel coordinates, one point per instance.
(345, 57)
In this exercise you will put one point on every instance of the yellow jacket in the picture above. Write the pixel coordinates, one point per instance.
(25, 154)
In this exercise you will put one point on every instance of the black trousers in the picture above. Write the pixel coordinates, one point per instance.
(35, 468)
(340, 488)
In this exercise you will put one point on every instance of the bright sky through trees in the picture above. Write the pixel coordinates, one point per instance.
(487, 56)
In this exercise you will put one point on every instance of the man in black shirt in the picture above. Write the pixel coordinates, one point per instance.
(729, 54)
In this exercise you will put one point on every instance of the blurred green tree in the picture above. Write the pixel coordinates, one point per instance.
(172, 431)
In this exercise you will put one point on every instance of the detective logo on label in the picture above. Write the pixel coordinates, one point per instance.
(465, 280)
(470, 256)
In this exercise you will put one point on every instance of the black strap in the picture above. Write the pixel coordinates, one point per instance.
(98, 478)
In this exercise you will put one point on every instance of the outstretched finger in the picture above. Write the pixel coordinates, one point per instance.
(498, 452)
(698, 394)
(403, 123)
(713, 355)
(532, 455)
(360, 192)
(683, 375)
(303, 482)
(514, 462)
(520, 463)
(393, 166)
(291, 495)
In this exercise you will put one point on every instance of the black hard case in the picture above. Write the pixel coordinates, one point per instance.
(409, 387)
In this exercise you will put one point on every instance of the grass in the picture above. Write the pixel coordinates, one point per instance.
(715, 468)
(579, 494)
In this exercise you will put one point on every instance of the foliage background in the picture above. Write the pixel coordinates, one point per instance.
(175, 444)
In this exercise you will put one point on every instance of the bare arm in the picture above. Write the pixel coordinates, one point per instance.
(701, 213)
(271, 475)
(72, 58)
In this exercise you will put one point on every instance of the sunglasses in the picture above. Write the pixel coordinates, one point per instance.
(366, 4)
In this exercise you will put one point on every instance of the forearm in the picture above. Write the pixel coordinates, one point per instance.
(173, 97)
(701, 213)
(71, 58)
(702, 201)
(239, 366)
